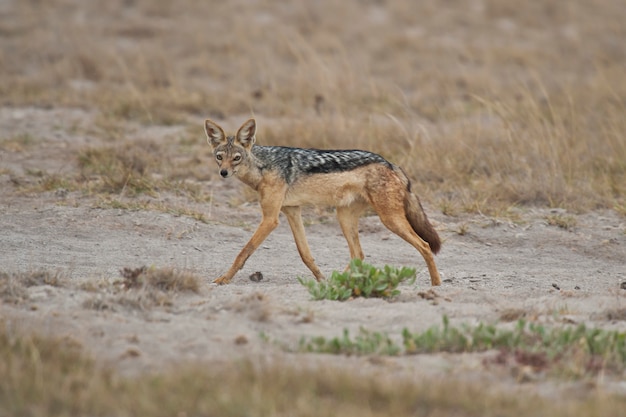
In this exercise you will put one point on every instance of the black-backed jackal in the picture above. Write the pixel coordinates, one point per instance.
(350, 180)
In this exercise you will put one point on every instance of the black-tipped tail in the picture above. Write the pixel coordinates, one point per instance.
(419, 222)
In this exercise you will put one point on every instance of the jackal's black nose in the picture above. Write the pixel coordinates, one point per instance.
(224, 173)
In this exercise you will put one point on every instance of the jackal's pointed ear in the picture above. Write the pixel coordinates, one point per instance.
(245, 134)
(214, 133)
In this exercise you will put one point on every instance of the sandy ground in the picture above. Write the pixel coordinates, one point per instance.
(488, 265)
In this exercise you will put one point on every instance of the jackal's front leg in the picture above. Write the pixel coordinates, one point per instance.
(271, 199)
(264, 229)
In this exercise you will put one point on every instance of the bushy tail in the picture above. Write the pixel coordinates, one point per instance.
(419, 222)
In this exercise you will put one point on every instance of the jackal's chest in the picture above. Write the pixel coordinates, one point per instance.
(332, 189)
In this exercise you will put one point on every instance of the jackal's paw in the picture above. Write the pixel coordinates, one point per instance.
(221, 280)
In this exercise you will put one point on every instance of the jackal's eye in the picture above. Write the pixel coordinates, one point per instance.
(218, 157)
(237, 158)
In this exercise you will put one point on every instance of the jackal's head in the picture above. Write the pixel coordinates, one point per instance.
(231, 152)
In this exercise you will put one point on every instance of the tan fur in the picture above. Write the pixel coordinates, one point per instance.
(386, 190)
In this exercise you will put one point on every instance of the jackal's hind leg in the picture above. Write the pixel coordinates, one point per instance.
(395, 220)
(294, 217)
(348, 217)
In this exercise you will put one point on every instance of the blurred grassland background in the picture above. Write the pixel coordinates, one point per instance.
(487, 104)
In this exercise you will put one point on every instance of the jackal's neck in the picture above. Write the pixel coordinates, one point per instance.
(250, 171)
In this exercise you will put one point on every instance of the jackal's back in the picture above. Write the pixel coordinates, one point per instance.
(291, 163)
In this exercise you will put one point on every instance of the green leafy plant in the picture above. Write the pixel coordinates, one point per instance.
(365, 343)
(607, 346)
(360, 280)
(574, 351)
(461, 339)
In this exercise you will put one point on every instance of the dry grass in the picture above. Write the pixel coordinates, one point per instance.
(563, 221)
(144, 288)
(139, 167)
(486, 106)
(11, 289)
(130, 175)
(164, 279)
(53, 377)
(122, 170)
(14, 285)
(17, 143)
(156, 205)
